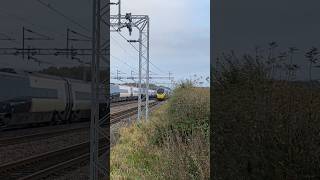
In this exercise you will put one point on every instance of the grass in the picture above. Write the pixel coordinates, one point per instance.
(174, 144)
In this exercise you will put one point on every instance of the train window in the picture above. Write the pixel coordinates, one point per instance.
(15, 87)
(83, 96)
(123, 91)
(44, 93)
(114, 89)
(19, 87)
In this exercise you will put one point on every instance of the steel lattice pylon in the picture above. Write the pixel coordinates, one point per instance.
(98, 135)
(142, 24)
(100, 111)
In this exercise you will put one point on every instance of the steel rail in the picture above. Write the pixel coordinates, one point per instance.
(51, 163)
(114, 118)
(47, 163)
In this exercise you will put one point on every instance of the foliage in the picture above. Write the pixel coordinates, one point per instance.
(174, 144)
(264, 126)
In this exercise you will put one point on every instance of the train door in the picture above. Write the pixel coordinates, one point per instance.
(69, 101)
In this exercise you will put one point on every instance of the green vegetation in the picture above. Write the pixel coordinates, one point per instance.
(265, 123)
(174, 144)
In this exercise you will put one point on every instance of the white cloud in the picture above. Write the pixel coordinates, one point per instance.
(179, 33)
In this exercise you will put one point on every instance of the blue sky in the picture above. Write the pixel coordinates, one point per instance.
(179, 38)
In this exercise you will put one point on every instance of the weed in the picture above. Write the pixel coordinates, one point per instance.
(174, 144)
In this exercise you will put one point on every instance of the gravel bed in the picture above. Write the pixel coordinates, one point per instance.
(29, 131)
(127, 106)
(19, 151)
(82, 173)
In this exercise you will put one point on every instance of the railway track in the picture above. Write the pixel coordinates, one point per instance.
(48, 164)
(114, 118)
(123, 103)
(113, 105)
(117, 117)
(52, 164)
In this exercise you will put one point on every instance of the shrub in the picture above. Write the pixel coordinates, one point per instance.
(264, 127)
(174, 144)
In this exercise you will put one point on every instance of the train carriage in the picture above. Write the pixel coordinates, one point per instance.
(33, 98)
(114, 93)
(30, 98)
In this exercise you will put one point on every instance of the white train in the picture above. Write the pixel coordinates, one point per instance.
(31, 98)
(125, 93)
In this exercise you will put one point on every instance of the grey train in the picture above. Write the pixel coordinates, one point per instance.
(32, 98)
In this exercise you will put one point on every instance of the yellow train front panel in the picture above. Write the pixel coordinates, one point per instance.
(161, 96)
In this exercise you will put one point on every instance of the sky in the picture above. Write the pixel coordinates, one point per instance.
(179, 34)
(16, 14)
(242, 25)
(179, 38)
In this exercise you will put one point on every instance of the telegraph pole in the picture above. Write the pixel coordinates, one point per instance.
(98, 135)
(67, 41)
(119, 13)
(94, 104)
(132, 74)
(83, 39)
(170, 79)
(117, 77)
(140, 75)
(118, 73)
(141, 23)
(23, 42)
(147, 81)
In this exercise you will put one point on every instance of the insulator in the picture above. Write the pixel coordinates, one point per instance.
(128, 17)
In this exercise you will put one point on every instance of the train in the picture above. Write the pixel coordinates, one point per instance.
(32, 98)
(125, 93)
(163, 93)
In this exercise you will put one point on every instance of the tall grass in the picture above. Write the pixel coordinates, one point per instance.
(264, 126)
(174, 144)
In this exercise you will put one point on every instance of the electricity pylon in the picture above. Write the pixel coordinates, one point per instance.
(99, 154)
(142, 24)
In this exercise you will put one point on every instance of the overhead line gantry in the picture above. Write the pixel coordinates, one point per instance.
(142, 24)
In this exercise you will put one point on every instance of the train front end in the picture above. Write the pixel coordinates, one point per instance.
(161, 95)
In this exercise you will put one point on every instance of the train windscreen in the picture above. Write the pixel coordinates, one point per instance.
(160, 91)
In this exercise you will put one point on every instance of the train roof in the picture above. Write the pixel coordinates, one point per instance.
(164, 88)
(24, 74)
(19, 73)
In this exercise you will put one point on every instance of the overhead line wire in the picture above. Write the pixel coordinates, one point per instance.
(137, 49)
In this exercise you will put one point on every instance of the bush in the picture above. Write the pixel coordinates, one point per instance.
(174, 144)
(186, 133)
(264, 127)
